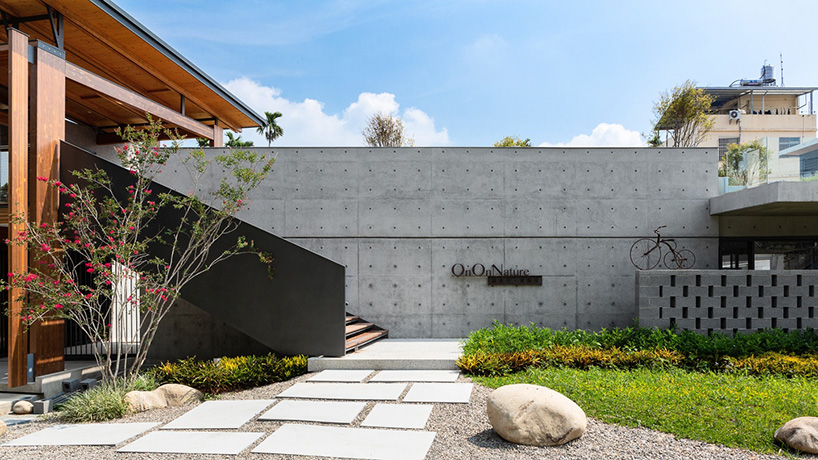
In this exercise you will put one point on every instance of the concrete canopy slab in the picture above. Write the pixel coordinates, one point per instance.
(412, 416)
(416, 376)
(192, 442)
(439, 392)
(347, 442)
(341, 375)
(219, 414)
(92, 434)
(362, 391)
(315, 411)
(775, 199)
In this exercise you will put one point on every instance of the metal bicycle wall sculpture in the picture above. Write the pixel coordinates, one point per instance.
(646, 253)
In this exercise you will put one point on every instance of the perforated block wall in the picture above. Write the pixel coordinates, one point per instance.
(728, 301)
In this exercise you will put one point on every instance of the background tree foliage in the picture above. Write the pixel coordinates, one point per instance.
(683, 115)
(384, 130)
(235, 141)
(745, 164)
(513, 141)
(270, 128)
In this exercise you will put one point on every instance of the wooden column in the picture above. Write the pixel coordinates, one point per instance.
(47, 337)
(218, 136)
(18, 197)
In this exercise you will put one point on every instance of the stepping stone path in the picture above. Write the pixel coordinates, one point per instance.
(389, 431)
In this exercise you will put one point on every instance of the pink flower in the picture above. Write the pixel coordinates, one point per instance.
(90, 270)
(42, 178)
(57, 306)
(131, 227)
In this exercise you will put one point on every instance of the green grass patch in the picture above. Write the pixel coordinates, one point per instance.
(105, 401)
(730, 409)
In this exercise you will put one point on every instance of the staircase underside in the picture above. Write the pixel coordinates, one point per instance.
(360, 333)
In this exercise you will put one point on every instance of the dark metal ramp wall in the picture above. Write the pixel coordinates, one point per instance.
(299, 310)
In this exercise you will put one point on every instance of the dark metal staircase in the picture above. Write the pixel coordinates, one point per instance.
(360, 333)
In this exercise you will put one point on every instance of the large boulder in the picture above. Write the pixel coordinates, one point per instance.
(179, 395)
(535, 415)
(140, 401)
(800, 433)
(168, 395)
(23, 407)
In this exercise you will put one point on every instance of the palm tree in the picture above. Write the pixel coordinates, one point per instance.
(270, 128)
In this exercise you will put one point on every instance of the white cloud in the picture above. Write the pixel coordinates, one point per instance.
(306, 124)
(604, 135)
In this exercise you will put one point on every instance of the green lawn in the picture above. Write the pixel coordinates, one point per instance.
(728, 409)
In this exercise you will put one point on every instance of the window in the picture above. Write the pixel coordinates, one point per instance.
(809, 164)
(723, 143)
(787, 142)
(769, 253)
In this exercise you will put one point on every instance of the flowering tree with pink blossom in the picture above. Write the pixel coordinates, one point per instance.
(111, 245)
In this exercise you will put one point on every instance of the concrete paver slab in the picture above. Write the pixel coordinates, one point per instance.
(349, 391)
(192, 442)
(341, 375)
(439, 392)
(315, 411)
(90, 434)
(416, 376)
(347, 442)
(220, 414)
(398, 416)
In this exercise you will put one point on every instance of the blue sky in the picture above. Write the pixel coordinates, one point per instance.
(468, 73)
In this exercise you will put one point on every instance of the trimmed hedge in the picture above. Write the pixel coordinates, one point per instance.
(579, 357)
(230, 374)
(505, 349)
(508, 339)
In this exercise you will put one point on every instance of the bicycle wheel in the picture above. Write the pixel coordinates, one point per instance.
(671, 261)
(685, 258)
(645, 254)
(682, 259)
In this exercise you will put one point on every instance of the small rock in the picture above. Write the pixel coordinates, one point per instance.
(23, 407)
(800, 433)
(140, 401)
(3, 428)
(535, 415)
(179, 395)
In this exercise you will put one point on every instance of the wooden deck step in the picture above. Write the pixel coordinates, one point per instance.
(352, 318)
(352, 329)
(360, 340)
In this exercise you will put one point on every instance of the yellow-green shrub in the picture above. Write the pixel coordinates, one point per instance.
(576, 356)
(775, 364)
(230, 374)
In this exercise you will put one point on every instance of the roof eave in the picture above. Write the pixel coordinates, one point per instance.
(118, 14)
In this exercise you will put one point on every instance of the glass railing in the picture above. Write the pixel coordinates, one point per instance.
(768, 160)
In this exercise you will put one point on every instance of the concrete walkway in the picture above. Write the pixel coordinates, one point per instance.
(392, 429)
(396, 354)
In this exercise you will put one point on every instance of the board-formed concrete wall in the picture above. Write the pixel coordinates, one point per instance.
(400, 218)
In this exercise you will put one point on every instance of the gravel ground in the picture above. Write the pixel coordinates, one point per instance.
(463, 432)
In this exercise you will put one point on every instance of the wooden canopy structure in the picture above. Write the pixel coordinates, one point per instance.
(89, 62)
